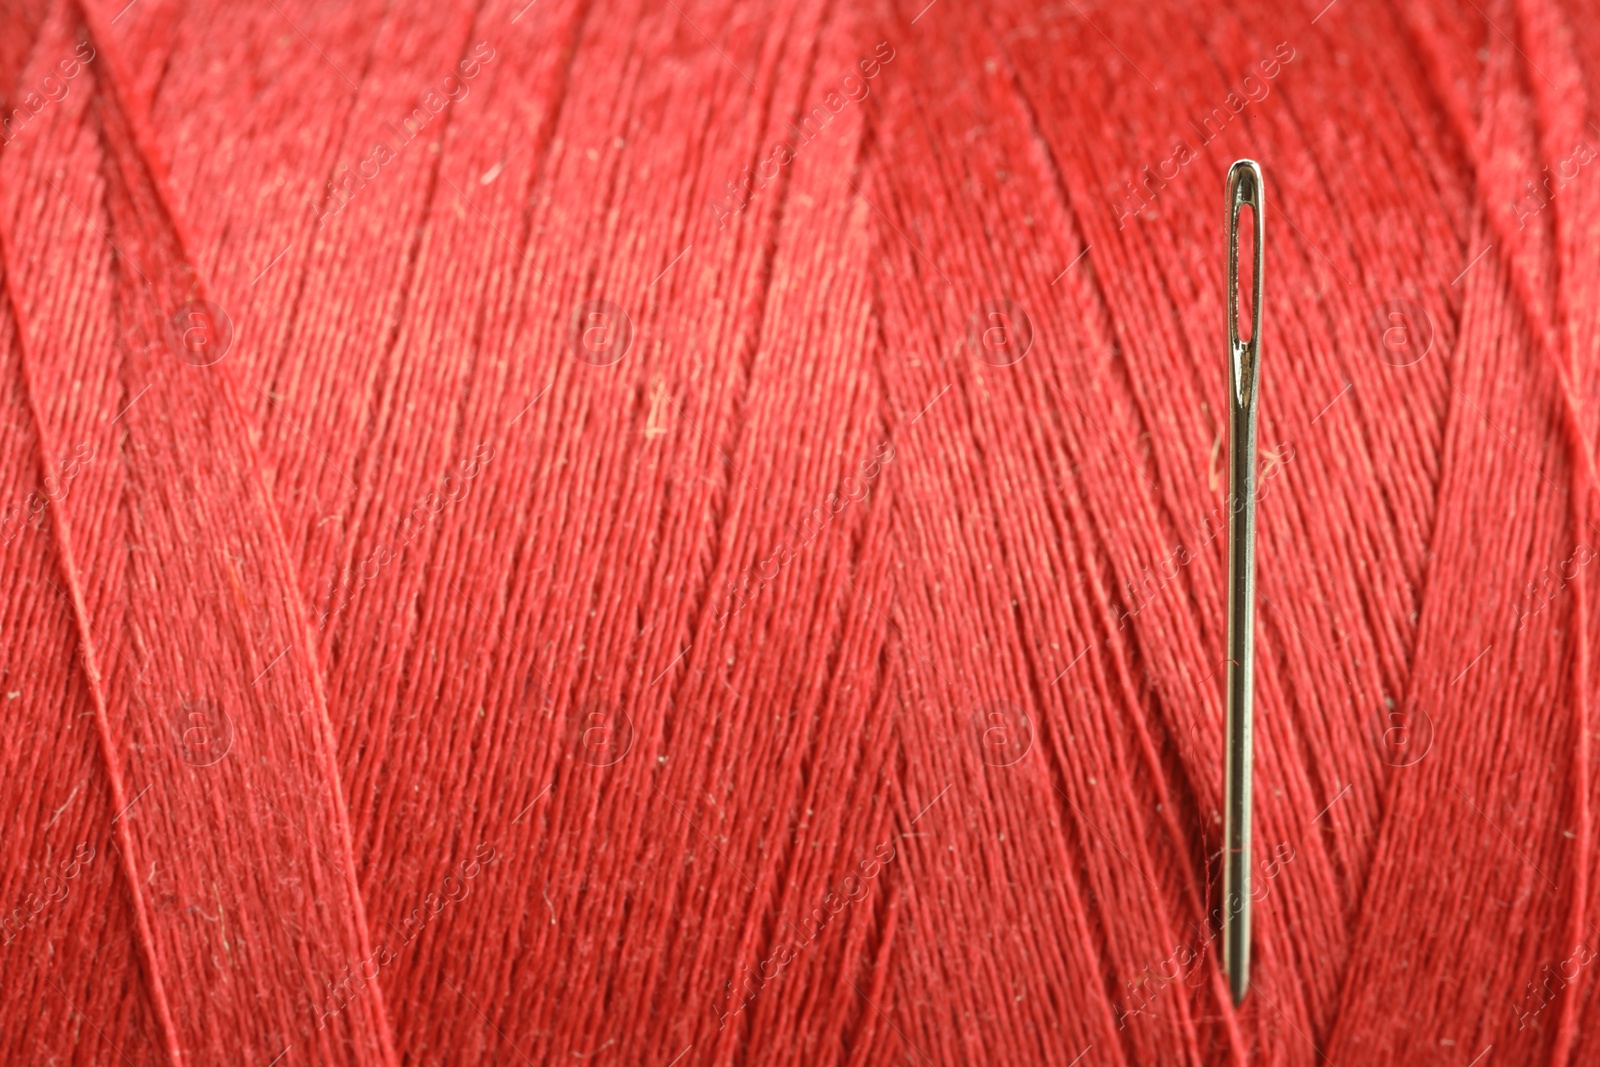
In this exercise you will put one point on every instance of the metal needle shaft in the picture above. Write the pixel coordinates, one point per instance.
(1244, 190)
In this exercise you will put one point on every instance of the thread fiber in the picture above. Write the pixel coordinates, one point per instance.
(694, 533)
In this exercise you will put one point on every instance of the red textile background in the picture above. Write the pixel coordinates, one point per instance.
(691, 532)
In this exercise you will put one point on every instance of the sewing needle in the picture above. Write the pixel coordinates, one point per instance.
(1244, 190)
